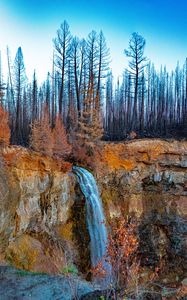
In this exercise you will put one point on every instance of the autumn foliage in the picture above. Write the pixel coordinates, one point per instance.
(41, 136)
(48, 141)
(88, 133)
(4, 128)
(121, 250)
(122, 246)
(61, 147)
(122, 254)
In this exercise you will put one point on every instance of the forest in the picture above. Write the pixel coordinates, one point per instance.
(81, 95)
(94, 189)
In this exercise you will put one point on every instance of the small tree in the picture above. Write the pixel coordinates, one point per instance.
(4, 128)
(61, 148)
(41, 139)
(122, 254)
(90, 129)
(121, 249)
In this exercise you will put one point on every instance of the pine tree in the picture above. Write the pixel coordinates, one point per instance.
(41, 139)
(90, 130)
(4, 128)
(61, 148)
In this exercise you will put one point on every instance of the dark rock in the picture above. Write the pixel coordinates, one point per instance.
(20, 285)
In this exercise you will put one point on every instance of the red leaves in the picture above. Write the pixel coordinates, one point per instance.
(4, 128)
(47, 141)
(123, 242)
(98, 271)
(61, 148)
(41, 136)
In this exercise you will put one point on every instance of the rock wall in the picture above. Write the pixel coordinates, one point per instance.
(143, 175)
(36, 196)
(147, 180)
(42, 211)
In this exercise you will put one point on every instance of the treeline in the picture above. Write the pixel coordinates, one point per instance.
(147, 102)
(80, 91)
(72, 89)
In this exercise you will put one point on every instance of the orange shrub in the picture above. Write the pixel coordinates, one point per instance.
(41, 135)
(4, 128)
(61, 148)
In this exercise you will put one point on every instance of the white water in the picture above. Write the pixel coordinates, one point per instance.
(94, 217)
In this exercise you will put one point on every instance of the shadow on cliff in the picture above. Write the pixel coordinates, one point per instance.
(80, 232)
(162, 243)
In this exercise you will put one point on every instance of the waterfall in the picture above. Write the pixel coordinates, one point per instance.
(94, 217)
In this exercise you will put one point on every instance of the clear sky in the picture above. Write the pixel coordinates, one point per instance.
(32, 24)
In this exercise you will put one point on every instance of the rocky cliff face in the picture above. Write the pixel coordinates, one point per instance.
(147, 180)
(36, 196)
(42, 211)
(144, 175)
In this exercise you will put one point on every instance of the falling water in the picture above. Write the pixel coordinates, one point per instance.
(94, 217)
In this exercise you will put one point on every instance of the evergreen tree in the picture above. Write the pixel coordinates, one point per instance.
(61, 147)
(90, 128)
(41, 139)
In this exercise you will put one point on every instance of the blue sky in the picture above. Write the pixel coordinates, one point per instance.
(32, 25)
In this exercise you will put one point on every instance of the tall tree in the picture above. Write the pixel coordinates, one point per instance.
(34, 97)
(92, 59)
(75, 56)
(103, 62)
(61, 44)
(19, 81)
(1, 83)
(136, 67)
(90, 128)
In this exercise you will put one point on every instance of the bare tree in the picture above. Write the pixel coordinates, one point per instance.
(75, 56)
(136, 67)
(103, 58)
(61, 44)
(34, 97)
(19, 81)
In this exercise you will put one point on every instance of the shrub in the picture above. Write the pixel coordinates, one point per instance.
(4, 128)
(41, 139)
(61, 148)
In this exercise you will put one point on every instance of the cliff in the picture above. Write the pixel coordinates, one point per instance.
(147, 180)
(42, 211)
(143, 175)
(36, 196)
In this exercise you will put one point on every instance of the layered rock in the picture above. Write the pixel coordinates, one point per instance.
(143, 175)
(147, 180)
(36, 197)
(42, 211)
